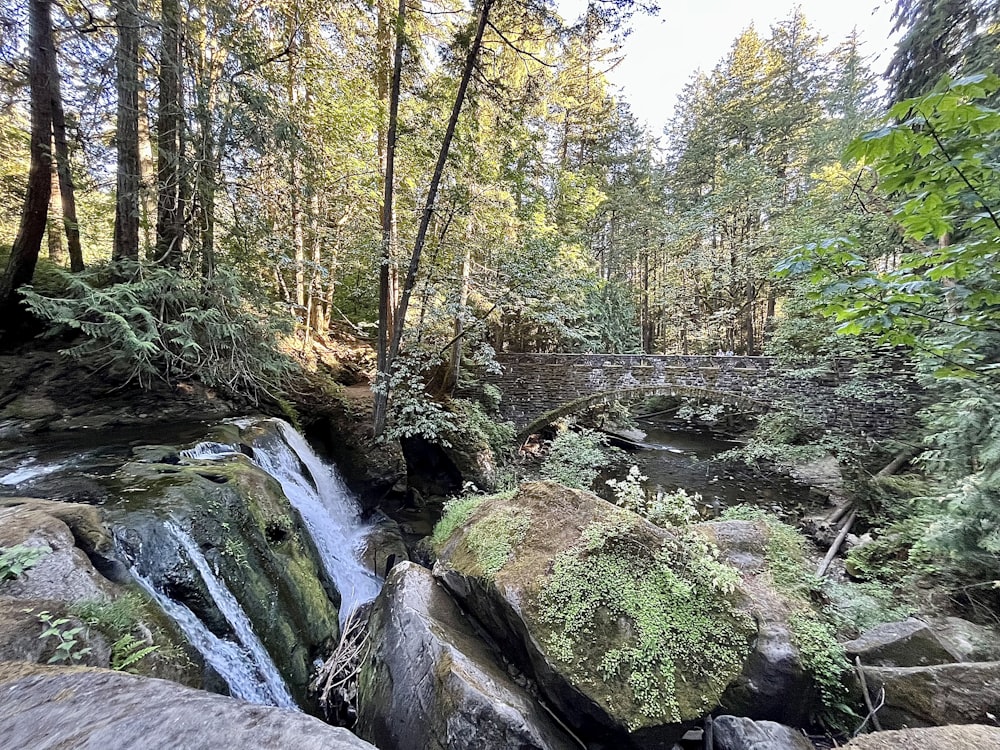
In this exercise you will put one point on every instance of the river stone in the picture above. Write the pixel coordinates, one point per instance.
(431, 683)
(740, 733)
(773, 685)
(45, 708)
(65, 573)
(936, 695)
(959, 737)
(910, 643)
(967, 640)
(600, 704)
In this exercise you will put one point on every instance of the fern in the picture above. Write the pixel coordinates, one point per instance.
(129, 650)
(157, 323)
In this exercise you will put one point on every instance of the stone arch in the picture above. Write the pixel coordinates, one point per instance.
(642, 391)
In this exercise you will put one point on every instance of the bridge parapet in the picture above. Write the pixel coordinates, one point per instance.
(538, 388)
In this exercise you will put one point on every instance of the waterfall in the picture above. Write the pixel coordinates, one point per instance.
(331, 516)
(246, 666)
(316, 490)
(328, 510)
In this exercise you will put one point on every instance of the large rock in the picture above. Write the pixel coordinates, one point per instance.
(431, 683)
(45, 708)
(963, 737)
(936, 695)
(967, 640)
(910, 643)
(626, 628)
(740, 733)
(251, 538)
(65, 573)
(773, 685)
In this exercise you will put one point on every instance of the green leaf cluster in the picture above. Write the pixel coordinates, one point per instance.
(19, 558)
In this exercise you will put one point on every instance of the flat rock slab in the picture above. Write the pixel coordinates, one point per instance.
(910, 643)
(964, 737)
(967, 693)
(45, 708)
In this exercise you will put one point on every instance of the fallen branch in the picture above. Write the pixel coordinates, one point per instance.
(872, 710)
(835, 547)
(899, 461)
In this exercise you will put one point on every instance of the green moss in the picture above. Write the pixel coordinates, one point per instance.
(456, 512)
(493, 538)
(663, 618)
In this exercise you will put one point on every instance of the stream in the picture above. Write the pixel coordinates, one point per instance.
(678, 457)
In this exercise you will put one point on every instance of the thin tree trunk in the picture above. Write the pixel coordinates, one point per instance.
(428, 211)
(53, 224)
(64, 186)
(28, 242)
(126, 243)
(147, 178)
(385, 307)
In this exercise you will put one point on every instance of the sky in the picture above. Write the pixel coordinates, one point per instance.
(663, 52)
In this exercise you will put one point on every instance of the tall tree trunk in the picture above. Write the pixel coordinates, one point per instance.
(53, 224)
(385, 307)
(126, 244)
(67, 192)
(147, 178)
(28, 242)
(169, 209)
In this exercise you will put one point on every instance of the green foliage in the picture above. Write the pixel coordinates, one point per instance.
(153, 322)
(576, 457)
(936, 158)
(492, 539)
(128, 651)
(476, 425)
(662, 508)
(456, 512)
(856, 607)
(413, 411)
(674, 602)
(123, 620)
(65, 637)
(19, 558)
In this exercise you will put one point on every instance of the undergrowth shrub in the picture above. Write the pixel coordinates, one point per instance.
(576, 457)
(153, 322)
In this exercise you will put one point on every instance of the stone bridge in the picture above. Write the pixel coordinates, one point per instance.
(539, 388)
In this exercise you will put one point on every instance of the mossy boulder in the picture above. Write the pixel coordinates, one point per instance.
(249, 533)
(630, 630)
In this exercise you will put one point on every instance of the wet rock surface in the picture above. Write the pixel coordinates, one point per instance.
(45, 708)
(740, 733)
(432, 683)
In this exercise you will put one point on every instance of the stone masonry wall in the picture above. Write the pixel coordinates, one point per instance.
(537, 385)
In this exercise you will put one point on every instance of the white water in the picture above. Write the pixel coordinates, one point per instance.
(315, 489)
(29, 469)
(329, 512)
(246, 666)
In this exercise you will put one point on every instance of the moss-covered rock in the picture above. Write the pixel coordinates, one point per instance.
(250, 534)
(629, 629)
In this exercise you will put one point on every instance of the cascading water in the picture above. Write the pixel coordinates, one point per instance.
(246, 666)
(316, 490)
